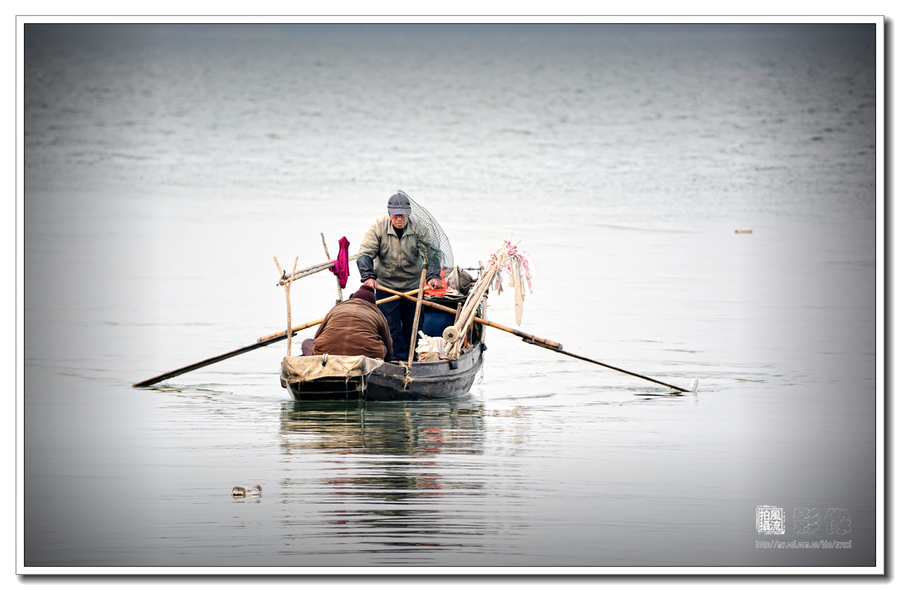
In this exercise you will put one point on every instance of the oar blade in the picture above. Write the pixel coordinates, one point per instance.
(203, 363)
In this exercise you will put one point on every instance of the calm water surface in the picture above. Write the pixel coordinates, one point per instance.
(167, 165)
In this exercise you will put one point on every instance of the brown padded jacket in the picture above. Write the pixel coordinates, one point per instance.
(354, 327)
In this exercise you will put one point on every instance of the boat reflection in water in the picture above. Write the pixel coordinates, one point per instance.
(382, 478)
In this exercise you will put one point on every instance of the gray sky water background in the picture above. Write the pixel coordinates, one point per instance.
(165, 166)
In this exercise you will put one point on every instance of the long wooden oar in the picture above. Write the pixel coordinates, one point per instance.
(544, 343)
(264, 341)
(204, 363)
(432, 304)
(692, 389)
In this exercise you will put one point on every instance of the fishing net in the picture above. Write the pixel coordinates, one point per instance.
(436, 245)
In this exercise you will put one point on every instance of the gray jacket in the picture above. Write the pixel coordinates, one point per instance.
(394, 261)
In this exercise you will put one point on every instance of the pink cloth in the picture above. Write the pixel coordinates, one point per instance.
(341, 267)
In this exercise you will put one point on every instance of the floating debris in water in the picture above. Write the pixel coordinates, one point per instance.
(743, 231)
(241, 492)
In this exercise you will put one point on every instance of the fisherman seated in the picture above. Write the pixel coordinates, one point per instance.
(354, 327)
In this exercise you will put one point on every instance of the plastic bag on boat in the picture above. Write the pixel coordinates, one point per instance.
(460, 281)
(429, 348)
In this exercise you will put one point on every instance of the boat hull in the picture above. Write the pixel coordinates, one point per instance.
(439, 380)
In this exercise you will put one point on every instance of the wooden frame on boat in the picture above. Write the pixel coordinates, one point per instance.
(399, 381)
(462, 346)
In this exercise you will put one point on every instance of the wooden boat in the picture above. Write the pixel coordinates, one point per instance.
(330, 377)
(458, 320)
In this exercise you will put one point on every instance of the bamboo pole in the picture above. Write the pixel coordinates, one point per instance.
(287, 296)
(415, 326)
(311, 270)
(278, 336)
(468, 314)
(336, 278)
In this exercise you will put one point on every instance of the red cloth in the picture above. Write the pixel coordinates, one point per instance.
(341, 266)
(440, 292)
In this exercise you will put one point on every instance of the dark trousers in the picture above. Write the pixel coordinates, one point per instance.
(400, 315)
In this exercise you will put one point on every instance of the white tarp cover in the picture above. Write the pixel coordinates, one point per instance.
(295, 369)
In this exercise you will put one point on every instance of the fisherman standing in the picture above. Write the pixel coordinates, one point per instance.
(392, 254)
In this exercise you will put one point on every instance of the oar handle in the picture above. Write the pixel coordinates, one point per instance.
(526, 337)
(283, 334)
(296, 329)
(529, 338)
